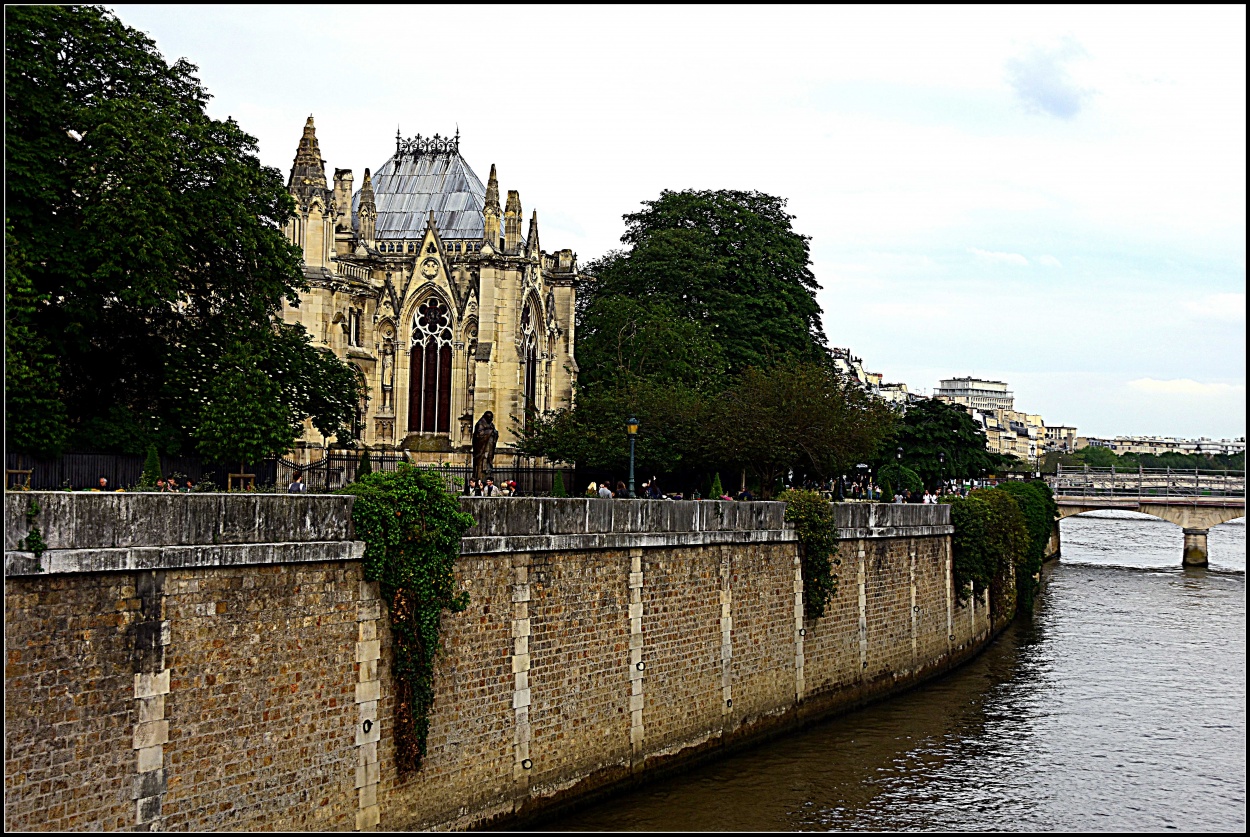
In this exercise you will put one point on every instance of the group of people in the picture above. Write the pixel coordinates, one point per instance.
(929, 498)
(651, 491)
(487, 488)
(169, 486)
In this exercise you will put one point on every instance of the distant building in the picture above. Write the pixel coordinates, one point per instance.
(976, 393)
(1156, 445)
(1061, 437)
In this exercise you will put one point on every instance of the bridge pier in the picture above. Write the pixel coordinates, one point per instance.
(1195, 548)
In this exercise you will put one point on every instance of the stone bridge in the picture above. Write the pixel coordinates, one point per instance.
(1193, 500)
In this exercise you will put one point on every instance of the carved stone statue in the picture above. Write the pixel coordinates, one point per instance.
(484, 438)
(388, 367)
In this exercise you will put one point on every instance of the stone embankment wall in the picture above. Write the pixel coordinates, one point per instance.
(214, 662)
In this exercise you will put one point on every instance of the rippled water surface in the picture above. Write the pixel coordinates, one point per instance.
(1121, 707)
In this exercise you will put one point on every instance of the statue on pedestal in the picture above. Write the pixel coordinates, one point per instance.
(484, 438)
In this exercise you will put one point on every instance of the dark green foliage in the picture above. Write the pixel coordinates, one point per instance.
(366, 465)
(557, 485)
(933, 428)
(35, 419)
(814, 523)
(151, 469)
(411, 528)
(894, 478)
(717, 489)
(727, 260)
(33, 541)
(1037, 504)
(796, 416)
(989, 547)
(148, 242)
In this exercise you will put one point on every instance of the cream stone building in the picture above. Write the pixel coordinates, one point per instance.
(423, 282)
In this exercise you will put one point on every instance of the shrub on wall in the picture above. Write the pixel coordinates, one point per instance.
(411, 528)
(813, 520)
(1037, 504)
(988, 546)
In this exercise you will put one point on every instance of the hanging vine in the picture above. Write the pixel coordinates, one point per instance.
(812, 516)
(411, 528)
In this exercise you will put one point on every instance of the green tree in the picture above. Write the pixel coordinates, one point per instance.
(940, 441)
(150, 238)
(366, 465)
(728, 260)
(799, 416)
(717, 490)
(557, 485)
(35, 418)
(151, 469)
(894, 478)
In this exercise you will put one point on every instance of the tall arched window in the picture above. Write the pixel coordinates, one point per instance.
(529, 349)
(429, 394)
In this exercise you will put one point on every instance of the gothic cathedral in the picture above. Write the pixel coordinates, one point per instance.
(423, 284)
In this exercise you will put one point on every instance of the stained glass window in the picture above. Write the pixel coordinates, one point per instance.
(429, 395)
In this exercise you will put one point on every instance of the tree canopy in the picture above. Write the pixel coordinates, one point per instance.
(941, 441)
(706, 329)
(149, 254)
(727, 260)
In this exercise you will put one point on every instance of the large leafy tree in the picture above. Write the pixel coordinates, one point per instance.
(152, 254)
(799, 416)
(711, 284)
(941, 441)
(727, 260)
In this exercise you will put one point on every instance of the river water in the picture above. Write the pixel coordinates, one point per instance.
(1120, 707)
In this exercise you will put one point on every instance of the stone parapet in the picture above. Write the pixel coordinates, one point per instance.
(544, 524)
(896, 520)
(99, 531)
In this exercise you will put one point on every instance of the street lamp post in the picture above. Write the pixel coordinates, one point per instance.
(631, 428)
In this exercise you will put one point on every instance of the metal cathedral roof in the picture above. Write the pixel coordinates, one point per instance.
(405, 192)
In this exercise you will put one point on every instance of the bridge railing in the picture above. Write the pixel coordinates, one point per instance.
(1148, 483)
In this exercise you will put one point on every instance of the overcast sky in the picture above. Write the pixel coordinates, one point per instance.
(1052, 197)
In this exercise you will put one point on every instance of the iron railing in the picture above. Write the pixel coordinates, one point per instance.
(333, 471)
(1147, 483)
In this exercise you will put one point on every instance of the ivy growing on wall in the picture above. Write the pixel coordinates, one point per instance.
(813, 520)
(989, 546)
(411, 528)
(33, 542)
(1037, 504)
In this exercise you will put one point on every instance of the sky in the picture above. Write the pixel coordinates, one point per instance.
(1052, 197)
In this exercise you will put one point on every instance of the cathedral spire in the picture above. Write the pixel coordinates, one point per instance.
(531, 240)
(368, 211)
(512, 223)
(491, 211)
(308, 172)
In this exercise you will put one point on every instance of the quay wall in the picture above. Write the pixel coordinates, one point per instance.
(218, 662)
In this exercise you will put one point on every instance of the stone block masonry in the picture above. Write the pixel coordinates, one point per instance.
(227, 667)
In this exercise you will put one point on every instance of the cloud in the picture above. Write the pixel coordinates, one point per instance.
(999, 258)
(1041, 80)
(1049, 261)
(1186, 386)
(1223, 307)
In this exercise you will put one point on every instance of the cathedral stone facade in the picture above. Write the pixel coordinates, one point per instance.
(424, 283)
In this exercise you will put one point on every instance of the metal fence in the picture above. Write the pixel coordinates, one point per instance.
(83, 470)
(1164, 483)
(336, 470)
